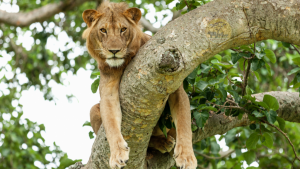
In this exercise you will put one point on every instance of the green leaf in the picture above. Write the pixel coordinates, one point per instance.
(201, 118)
(249, 91)
(215, 148)
(219, 57)
(257, 64)
(249, 157)
(91, 135)
(222, 91)
(268, 69)
(193, 74)
(271, 102)
(230, 136)
(197, 98)
(193, 106)
(264, 105)
(271, 116)
(201, 85)
(213, 81)
(209, 94)
(203, 144)
(87, 123)
(271, 55)
(66, 162)
(281, 123)
(180, 5)
(246, 48)
(185, 84)
(162, 126)
(296, 61)
(235, 57)
(285, 44)
(226, 66)
(219, 68)
(258, 114)
(194, 127)
(168, 1)
(252, 126)
(95, 85)
(268, 140)
(207, 108)
(95, 74)
(257, 76)
(260, 55)
(252, 141)
(235, 95)
(294, 71)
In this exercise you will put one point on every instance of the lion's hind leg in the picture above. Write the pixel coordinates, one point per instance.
(162, 144)
(95, 117)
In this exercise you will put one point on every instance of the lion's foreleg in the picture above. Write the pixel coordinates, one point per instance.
(181, 114)
(111, 116)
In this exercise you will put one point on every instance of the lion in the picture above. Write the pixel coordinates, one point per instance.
(113, 38)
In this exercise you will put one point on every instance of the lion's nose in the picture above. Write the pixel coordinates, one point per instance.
(114, 51)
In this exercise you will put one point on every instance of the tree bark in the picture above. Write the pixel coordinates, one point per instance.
(37, 15)
(194, 38)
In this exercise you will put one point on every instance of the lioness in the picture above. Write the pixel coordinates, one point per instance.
(113, 38)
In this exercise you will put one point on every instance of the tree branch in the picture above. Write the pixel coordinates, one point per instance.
(224, 154)
(148, 26)
(37, 15)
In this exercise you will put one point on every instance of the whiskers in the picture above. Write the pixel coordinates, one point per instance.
(100, 50)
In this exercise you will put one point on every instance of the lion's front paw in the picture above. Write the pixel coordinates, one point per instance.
(119, 155)
(184, 157)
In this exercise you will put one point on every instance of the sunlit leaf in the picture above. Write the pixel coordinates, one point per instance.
(271, 55)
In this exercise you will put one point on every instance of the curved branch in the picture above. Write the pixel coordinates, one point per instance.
(37, 15)
(148, 26)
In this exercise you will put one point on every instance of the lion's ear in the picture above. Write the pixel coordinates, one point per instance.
(89, 16)
(133, 13)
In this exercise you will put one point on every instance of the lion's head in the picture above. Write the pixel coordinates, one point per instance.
(113, 34)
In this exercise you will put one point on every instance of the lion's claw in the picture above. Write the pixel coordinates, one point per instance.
(184, 157)
(119, 155)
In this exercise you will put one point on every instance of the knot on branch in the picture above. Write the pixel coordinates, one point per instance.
(170, 62)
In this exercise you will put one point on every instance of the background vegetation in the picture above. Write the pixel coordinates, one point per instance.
(21, 144)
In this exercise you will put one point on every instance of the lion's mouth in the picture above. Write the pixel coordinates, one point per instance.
(115, 62)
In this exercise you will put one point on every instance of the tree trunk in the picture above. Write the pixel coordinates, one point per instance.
(182, 45)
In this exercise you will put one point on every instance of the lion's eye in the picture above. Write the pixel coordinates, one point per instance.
(123, 29)
(103, 30)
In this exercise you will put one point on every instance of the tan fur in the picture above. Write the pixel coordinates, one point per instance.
(113, 49)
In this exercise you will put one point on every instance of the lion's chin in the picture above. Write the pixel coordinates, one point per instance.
(115, 62)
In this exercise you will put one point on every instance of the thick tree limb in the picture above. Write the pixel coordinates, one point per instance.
(194, 37)
(37, 15)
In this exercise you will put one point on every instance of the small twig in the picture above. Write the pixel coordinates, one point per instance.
(296, 49)
(247, 72)
(234, 83)
(187, 5)
(232, 107)
(216, 158)
(284, 134)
